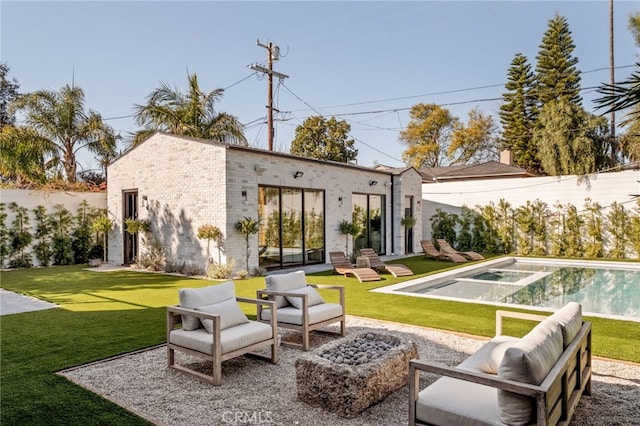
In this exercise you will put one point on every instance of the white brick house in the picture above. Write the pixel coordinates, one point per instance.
(179, 184)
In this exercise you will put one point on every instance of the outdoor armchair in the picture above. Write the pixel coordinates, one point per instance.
(300, 307)
(209, 324)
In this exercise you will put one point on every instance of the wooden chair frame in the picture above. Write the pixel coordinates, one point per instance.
(174, 318)
(306, 326)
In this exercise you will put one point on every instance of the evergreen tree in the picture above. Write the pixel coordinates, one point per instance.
(557, 77)
(563, 140)
(517, 114)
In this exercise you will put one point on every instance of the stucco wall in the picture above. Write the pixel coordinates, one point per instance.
(603, 188)
(32, 199)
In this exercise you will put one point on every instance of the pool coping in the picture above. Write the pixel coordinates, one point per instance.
(455, 273)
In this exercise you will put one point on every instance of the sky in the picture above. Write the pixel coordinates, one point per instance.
(364, 62)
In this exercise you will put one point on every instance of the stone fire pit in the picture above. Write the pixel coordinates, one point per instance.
(351, 374)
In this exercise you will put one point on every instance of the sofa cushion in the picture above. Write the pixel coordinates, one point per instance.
(229, 311)
(231, 339)
(569, 318)
(528, 361)
(313, 298)
(317, 313)
(192, 298)
(284, 282)
(450, 401)
(487, 359)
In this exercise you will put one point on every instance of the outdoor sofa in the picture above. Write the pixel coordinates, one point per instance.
(537, 379)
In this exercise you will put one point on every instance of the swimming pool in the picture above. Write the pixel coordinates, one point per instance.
(609, 289)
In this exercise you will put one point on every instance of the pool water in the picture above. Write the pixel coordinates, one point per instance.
(602, 288)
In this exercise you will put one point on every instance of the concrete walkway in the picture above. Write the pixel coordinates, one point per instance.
(14, 303)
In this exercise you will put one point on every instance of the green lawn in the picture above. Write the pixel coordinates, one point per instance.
(110, 313)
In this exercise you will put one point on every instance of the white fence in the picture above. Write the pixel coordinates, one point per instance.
(32, 199)
(604, 188)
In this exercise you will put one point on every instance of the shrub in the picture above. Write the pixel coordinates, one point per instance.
(219, 271)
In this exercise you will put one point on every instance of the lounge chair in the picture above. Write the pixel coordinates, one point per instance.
(300, 307)
(342, 265)
(209, 324)
(377, 264)
(446, 248)
(431, 251)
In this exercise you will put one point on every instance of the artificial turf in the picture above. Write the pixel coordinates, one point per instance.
(103, 314)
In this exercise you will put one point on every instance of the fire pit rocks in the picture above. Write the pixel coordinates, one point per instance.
(351, 374)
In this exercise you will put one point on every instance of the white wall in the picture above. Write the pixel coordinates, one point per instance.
(32, 199)
(603, 188)
(190, 183)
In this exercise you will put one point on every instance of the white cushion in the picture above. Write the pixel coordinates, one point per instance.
(191, 298)
(569, 318)
(313, 298)
(285, 282)
(450, 401)
(317, 313)
(487, 359)
(229, 311)
(528, 361)
(231, 339)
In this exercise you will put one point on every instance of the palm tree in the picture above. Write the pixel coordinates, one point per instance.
(188, 114)
(621, 95)
(58, 126)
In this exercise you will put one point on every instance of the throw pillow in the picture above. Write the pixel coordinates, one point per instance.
(313, 297)
(284, 282)
(191, 298)
(229, 311)
(528, 361)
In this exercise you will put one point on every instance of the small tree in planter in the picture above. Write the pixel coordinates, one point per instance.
(102, 225)
(211, 233)
(247, 226)
(154, 257)
(349, 228)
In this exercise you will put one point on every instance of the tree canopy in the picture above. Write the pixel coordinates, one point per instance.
(8, 92)
(564, 152)
(475, 141)
(188, 114)
(324, 139)
(57, 127)
(428, 135)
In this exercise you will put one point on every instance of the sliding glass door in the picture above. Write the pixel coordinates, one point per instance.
(368, 214)
(291, 226)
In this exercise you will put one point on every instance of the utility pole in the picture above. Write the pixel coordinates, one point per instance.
(273, 54)
(612, 78)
